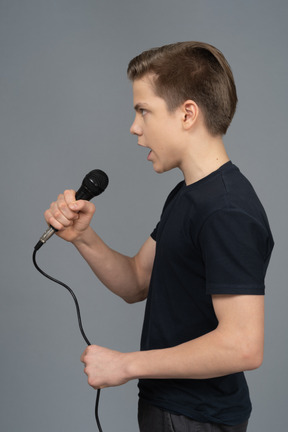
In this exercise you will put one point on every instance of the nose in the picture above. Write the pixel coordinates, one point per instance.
(135, 128)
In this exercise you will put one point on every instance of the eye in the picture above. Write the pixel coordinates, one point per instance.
(142, 111)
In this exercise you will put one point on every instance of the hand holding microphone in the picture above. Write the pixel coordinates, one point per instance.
(71, 214)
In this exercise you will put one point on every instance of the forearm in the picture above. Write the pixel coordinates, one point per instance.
(209, 356)
(116, 271)
(235, 345)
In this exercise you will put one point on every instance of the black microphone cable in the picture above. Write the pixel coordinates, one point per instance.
(79, 324)
(93, 184)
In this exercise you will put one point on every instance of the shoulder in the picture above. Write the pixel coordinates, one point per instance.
(224, 189)
(174, 193)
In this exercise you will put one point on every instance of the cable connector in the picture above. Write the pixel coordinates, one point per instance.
(45, 236)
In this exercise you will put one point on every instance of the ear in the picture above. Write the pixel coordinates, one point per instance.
(190, 113)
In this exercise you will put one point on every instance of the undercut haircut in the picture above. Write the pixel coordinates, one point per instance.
(191, 71)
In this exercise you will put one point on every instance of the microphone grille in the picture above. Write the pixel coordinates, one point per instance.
(95, 180)
(93, 184)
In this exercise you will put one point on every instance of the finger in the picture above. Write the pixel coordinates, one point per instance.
(51, 220)
(59, 215)
(63, 205)
(69, 196)
(77, 205)
(83, 355)
(57, 218)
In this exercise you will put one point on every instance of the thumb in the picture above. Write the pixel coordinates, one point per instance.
(82, 206)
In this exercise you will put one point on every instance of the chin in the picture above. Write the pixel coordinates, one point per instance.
(158, 170)
(161, 169)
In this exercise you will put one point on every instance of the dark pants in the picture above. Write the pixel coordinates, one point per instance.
(152, 419)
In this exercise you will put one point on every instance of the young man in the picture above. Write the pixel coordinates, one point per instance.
(202, 269)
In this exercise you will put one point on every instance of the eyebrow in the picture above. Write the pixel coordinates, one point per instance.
(139, 105)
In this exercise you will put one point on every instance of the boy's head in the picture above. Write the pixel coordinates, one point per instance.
(191, 70)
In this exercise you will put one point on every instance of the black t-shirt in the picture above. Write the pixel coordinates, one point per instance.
(213, 238)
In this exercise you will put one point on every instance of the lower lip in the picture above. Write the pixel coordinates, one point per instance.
(149, 154)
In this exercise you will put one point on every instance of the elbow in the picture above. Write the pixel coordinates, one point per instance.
(130, 300)
(136, 298)
(255, 362)
(252, 358)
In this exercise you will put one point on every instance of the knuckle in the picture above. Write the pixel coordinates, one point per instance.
(92, 382)
(92, 208)
(87, 350)
(57, 214)
(62, 205)
(53, 205)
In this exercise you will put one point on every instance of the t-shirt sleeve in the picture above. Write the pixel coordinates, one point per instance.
(154, 232)
(235, 250)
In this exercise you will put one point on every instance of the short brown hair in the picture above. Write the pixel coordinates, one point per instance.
(191, 70)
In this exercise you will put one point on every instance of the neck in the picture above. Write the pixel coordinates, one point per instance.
(202, 158)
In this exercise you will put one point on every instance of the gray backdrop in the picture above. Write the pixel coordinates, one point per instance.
(65, 109)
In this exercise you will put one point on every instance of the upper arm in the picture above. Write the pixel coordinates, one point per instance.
(241, 321)
(235, 247)
(143, 261)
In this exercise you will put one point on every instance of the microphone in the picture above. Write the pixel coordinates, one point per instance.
(94, 183)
